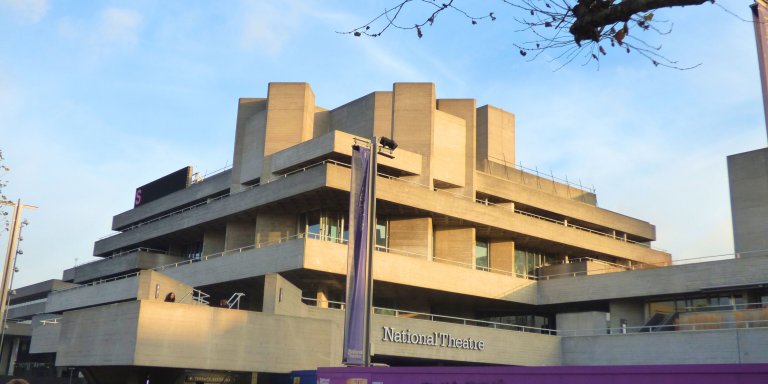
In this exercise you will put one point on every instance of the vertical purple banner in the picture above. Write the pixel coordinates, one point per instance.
(355, 316)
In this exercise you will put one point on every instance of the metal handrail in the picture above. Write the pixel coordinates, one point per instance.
(722, 308)
(97, 282)
(519, 166)
(692, 327)
(50, 321)
(439, 318)
(522, 328)
(139, 249)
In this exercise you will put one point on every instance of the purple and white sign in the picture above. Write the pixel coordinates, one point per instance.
(355, 317)
(627, 374)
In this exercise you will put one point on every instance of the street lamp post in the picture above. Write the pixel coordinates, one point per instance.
(376, 145)
(362, 243)
(10, 262)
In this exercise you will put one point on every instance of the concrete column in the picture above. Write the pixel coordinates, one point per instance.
(281, 297)
(365, 117)
(413, 122)
(449, 151)
(247, 161)
(274, 227)
(240, 233)
(465, 109)
(495, 136)
(322, 297)
(213, 241)
(290, 116)
(502, 257)
(455, 246)
(411, 236)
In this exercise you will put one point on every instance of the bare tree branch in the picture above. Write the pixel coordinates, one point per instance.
(592, 25)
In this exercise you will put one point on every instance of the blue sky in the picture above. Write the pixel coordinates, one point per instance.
(99, 97)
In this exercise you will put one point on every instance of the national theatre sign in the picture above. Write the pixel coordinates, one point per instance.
(434, 339)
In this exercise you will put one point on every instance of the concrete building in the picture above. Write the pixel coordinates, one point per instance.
(748, 171)
(477, 261)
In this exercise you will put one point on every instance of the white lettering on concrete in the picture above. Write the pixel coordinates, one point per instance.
(435, 339)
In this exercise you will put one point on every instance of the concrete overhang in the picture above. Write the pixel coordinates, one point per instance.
(39, 290)
(116, 265)
(331, 257)
(281, 188)
(568, 208)
(338, 145)
(158, 334)
(212, 185)
(441, 203)
(667, 281)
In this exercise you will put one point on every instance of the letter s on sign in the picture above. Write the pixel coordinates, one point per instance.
(137, 200)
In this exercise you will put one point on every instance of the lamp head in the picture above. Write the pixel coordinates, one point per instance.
(388, 143)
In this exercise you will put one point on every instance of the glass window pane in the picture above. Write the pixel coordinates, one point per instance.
(313, 225)
(481, 254)
(520, 263)
(381, 232)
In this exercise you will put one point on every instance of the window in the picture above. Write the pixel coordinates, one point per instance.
(194, 250)
(334, 226)
(481, 255)
(382, 232)
(528, 262)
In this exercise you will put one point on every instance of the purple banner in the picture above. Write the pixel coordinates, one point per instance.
(636, 374)
(355, 317)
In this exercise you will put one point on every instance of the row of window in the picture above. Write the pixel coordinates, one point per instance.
(713, 302)
(333, 226)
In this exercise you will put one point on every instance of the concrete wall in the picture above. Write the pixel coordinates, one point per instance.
(110, 292)
(581, 323)
(502, 257)
(158, 334)
(365, 117)
(282, 298)
(290, 116)
(26, 311)
(500, 346)
(247, 161)
(455, 246)
(338, 145)
(214, 241)
(45, 335)
(466, 110)
(700, 347)
(495, 135)
(240, 233)
(104, 335)
(633, 311)
(748, 180)
(273, 226)
(412, 236)
(413, 122)
(155, 286)
(450, 152)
